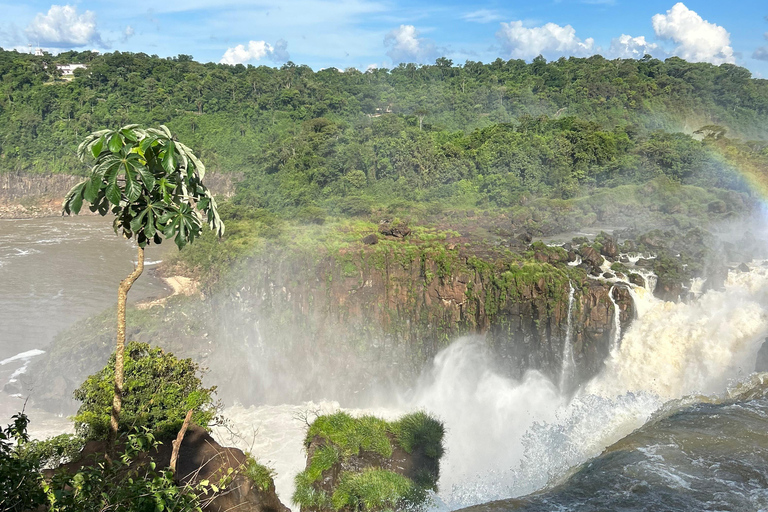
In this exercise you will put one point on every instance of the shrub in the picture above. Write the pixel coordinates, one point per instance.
(159, 390)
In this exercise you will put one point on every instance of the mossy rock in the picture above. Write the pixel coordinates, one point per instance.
(368, 464)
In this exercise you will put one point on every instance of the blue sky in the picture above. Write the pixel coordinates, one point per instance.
(364, 33)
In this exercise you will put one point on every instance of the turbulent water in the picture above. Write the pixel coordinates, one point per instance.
(53, 272)
(676, 421)
(659, 429)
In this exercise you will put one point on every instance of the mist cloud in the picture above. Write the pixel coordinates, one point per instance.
(698, 40)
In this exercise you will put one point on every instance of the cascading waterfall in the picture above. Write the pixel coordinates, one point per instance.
(510, 437)
(616, 322)
(568, 361)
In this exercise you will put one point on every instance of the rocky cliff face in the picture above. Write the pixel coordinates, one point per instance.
(364, 321)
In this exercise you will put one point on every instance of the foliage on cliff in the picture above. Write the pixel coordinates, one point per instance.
(159, 390)
(350, 462)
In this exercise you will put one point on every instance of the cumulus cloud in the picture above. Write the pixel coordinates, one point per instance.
(63, 27)
(256, 50)
(698, 40)
(549, 40)
(482, 16)
(405, 45)
(628, 47)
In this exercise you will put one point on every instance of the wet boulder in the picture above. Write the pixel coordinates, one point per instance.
(761, 364)
(394, 229)
(637, 280)
(246, 485)
(591, 257)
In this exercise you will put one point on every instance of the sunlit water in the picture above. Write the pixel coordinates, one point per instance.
(677, 408)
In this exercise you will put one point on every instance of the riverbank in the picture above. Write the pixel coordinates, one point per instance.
(33, 196)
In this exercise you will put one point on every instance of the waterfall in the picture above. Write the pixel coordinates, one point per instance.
(616, 322)
(568, 361)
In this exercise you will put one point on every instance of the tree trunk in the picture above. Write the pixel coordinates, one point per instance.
(122, 295)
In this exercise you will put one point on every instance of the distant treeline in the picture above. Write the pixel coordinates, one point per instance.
(484, 132)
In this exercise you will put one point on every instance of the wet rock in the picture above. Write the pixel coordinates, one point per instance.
(716, 279)
(668, 289)
(591, 257)
(644, 263)
(371, 239)
(637, 280)
(396, 229)
(624, 259)
(743, 267)
(609, 248)
(572, 256)
(608, 275)
(200, 458)
(761, 363)
(525, 237)
(653, 240)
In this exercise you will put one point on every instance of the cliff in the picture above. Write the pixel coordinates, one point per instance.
(354, 322)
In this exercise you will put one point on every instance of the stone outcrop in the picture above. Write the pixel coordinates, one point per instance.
(201, 458)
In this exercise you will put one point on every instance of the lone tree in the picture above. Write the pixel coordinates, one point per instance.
(152, 184)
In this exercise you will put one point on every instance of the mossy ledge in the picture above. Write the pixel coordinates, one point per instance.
(367, 464)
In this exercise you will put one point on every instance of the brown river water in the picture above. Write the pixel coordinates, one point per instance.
(53, 272)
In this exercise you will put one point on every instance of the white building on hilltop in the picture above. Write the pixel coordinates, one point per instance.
(68, 70)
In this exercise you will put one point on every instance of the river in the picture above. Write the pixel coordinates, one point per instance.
(53, 272)
(676, 421)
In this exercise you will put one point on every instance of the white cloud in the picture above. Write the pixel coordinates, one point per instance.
(63, 27)
(256, 50)
(405, 45)
(482, 16)
(549, 40)
(698, 40)
(628, 47)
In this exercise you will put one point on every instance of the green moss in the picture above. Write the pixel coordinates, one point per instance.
(260, 475)
(374, 489)
(619, 267)
(420, 430)
(351, 435)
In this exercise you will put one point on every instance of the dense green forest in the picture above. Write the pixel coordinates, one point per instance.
(475, 134)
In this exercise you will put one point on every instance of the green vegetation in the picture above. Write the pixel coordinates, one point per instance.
(338, 439)
(159, 390)
(375, 489)
(260, 475)
(152, 184)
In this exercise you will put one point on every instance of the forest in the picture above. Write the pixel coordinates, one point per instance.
(482, 134)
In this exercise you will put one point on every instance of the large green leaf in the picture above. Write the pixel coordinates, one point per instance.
(170, 159)
(93, 187)
(113, 193)
(115, 143)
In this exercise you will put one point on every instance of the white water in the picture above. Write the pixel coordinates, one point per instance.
(566, 373)
(616, 338)
(509, 437)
